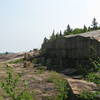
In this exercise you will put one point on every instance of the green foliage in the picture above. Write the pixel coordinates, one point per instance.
(82, 70)
(6, 53)
(35, 60)
(86, 95)
(16, 61)
(45, 40)
(63, 89)
(85, 29)
(68, 30)
(61, 85)
(91, 72)
(41, 70)
(93, 77)
(9, 85)
(78, 30)
(94, 24)
(53, 36)
(89, 29)
(25, 95)
(1, 98)
(95, 64)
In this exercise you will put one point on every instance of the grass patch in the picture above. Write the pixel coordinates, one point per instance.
(16, 61)
(86, 95)
(61, 86)
(10, 87)
(93, 77)
(40, 70)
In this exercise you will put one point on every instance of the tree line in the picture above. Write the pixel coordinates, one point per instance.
(69, 30)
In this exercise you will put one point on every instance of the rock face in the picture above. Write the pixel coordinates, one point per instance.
(79, 46)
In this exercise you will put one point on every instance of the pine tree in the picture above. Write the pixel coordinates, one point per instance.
(85, 29)
(89, 28)
(60, 33)
(53, 36)
(94, 24)
(45, 40)
(57, 35)
(68, 30)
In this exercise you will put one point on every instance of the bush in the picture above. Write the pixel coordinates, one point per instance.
(41, 69)
(61, 85)
(35, 61)
(25, 96)
(63, 89)
(93, 77)
(86, 95)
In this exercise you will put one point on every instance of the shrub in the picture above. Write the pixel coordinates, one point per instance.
(40, 70)
(10, 87)
(95, 64)
(86, 95)
(61, 85)
(35, 60)
(63, 89)
(25, 96)
(93, 77)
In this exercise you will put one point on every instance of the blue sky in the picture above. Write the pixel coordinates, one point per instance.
(25, 23)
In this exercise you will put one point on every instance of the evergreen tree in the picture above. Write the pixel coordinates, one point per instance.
(57, 35)
(45, 40)
(94, 24)
(85, 29)
(53, 36)
(89, 28)
(60, 34)
(68, 30)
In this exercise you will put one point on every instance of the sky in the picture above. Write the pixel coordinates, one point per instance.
(25, 23)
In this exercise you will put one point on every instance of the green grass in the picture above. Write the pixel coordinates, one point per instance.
(25, 95)
(61, 86)
(93, 77)
(10, 87)
(16, 61)
(40, 70)
(86, 95)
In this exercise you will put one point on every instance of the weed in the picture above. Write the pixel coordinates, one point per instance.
(25, 95)
(93, 77)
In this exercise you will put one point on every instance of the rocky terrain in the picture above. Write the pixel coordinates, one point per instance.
(39, 81)
(13, 56)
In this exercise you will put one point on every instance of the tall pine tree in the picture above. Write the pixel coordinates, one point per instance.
(53, 36)
(68, 30)
(85, 29)
(94, 24)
